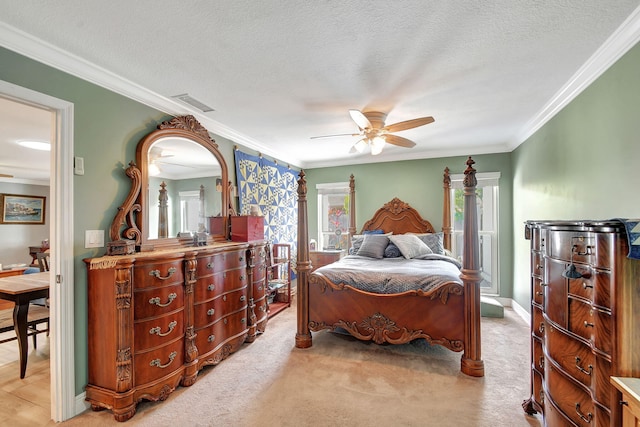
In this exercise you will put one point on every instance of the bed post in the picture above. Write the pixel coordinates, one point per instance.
(352, 209)
(446, 211)
(303, 267)
(471, 363)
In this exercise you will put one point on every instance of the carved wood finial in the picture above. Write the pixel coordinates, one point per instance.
(470, 174)
(447, 178)
(188, 123)
(302, 184)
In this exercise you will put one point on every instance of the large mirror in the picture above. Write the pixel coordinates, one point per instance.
(184, 194)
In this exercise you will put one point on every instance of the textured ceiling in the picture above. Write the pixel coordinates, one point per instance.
(279, 72)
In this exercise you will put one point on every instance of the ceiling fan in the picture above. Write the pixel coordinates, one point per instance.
(375, 134)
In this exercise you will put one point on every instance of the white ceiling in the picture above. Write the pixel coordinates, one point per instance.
(279, 72)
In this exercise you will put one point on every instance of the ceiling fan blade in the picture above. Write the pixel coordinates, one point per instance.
(360, 119)
(332, 136)
(399, 141)
(409, 124)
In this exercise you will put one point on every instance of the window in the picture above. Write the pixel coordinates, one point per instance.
(487, 192)
(333, 215)
(189, 211)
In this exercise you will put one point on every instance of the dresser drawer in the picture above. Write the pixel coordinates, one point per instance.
(591, 324)
(212, 310)
(538, 290)
(149, 274)
(153, 365)
(537, 264)
(211, 286)
(158, 331)
(157, 301)
(594, 285)
(537, 329)
(220, 262)
(538, 390)
(587, 248)
(574, 356)
(213, 335)
(571, 399)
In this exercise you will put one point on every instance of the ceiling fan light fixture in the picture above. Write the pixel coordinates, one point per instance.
(377, 144)
(360, 145)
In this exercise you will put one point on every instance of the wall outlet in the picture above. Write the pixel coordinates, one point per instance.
(93, 239)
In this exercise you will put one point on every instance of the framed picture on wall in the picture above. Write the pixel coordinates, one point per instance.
(20, 209)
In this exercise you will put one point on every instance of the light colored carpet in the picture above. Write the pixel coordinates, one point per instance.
(344, 382)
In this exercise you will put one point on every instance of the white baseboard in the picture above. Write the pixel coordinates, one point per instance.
(521, 312)
(81, 404)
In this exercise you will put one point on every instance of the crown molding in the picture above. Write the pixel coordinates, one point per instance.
(48, 54)
(619, 43)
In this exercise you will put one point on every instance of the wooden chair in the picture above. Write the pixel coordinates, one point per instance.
(37, 315)
(43, 260)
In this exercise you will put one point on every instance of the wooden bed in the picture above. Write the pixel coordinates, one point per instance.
(448, 315)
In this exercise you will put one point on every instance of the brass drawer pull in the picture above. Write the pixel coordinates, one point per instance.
(539, 267)
(243, 320)
(156, 300)
(541, 327)
(211, 287)
(585, 286)
(225, 321)
(157, 330)
(543, 284)
(539, 293)
(581, 369)
(243, 298)
(586, 252)
(260, 287)
(241, 258)
(263, 308)
(211, 338)
(224, 298)
(242, 278)
(209, 265)
(587, 324)
(581, 415)
(211, 311)
(156, 362)
(541, 362)
(156, 273)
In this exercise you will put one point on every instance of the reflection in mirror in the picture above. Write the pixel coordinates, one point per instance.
(182, 177)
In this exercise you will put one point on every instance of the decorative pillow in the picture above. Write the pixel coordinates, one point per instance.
(392, 251)
(373, 232)
(435, 241)
(410, 245)
(356, 242)
(373, 245)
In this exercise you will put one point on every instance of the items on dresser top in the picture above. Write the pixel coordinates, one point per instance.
(583, 320)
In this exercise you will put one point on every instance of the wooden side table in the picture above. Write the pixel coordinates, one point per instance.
(629, 389)
(322, 258)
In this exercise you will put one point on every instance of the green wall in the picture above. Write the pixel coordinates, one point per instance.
(419, 183)
(582, 164)
(107, 128)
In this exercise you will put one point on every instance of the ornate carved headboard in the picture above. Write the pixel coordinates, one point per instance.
(398, 217)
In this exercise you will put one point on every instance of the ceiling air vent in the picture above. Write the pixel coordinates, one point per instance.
(188, 99)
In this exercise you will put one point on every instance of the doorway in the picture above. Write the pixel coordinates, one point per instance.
(60, 206)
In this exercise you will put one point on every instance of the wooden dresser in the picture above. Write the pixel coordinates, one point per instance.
(585, 329)
(155, 319)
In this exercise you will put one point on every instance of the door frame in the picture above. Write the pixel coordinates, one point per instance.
(61, 294)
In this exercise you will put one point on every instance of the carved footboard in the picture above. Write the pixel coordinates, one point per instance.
(436, 316)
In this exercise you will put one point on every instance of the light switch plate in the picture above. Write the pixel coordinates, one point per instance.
(78, 165)
(93, 239)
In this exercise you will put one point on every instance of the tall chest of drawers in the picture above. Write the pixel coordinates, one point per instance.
(155, 319)
(583, 322)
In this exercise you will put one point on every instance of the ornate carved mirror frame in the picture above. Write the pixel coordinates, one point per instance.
(134, 213)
